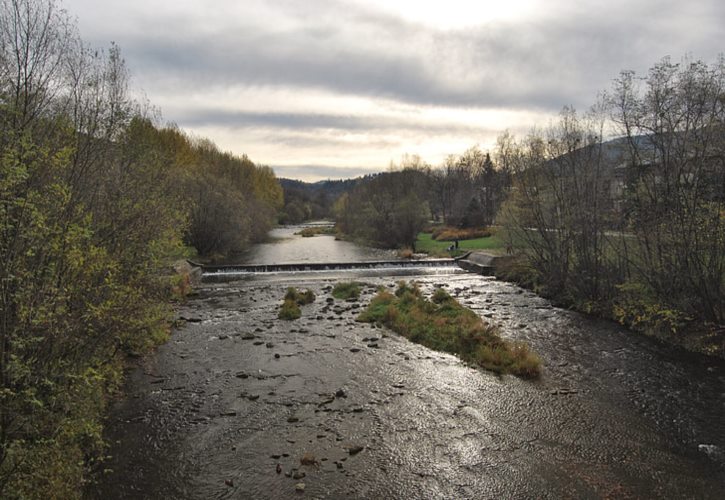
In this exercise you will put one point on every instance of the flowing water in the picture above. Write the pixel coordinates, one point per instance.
(237, 400)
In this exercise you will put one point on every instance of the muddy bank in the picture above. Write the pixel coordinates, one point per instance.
(237, 393)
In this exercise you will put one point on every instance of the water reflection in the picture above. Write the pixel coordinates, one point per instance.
(287, 247)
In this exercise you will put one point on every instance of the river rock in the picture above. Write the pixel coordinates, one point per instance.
(300, 487)
(355, 449)
(709, 449)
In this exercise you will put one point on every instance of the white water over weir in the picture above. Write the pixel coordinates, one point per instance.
(231, 272)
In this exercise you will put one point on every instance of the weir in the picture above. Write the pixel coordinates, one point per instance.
(224, 272)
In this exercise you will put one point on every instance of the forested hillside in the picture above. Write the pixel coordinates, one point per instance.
(95, 198)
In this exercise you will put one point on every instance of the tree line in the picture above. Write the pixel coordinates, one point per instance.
(95, 197)
(391, 208)
(632, 228)
(618, 211)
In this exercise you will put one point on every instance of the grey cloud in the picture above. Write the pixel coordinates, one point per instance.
(565, 58)
(315, 121)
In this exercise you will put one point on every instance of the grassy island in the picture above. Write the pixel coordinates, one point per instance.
(443, 324)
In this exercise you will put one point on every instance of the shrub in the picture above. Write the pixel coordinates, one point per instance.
(406, 253)
(452, 233)
(309, 232)
(290, 310)
(293, 299)
(346, 290)
(300, 298)
(637, 307)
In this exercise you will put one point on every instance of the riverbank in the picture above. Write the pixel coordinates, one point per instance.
(692, 336)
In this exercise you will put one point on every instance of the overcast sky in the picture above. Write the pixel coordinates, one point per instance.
(336, 88)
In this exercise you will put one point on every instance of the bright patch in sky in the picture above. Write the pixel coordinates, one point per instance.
(455, 14)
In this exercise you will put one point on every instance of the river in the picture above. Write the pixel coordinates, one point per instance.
(237, 400)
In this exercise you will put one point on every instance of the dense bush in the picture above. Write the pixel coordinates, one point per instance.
(293, 299)
(346, 290)
(451, 233)
(388, 209)
(95, 199)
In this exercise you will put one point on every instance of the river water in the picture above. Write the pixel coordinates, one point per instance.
(287, 247)
(237, 395)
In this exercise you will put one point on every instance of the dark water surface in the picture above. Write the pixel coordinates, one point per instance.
(237, 392)
(287, 247)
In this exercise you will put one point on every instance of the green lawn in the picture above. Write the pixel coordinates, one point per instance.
(426, 244)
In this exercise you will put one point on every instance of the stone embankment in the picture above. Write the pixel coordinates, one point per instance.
(482, 262)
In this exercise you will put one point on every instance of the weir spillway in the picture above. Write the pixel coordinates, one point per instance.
(230, 272)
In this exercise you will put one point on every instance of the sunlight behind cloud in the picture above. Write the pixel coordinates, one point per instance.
(292, 127)
(455, 14)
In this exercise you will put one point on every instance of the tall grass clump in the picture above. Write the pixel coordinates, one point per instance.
(293, 299)
(346, 290)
